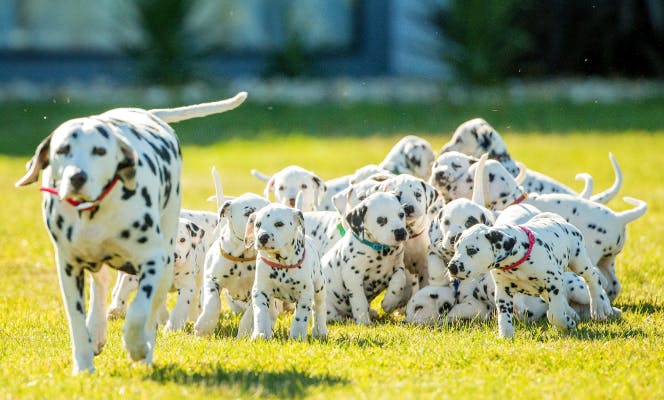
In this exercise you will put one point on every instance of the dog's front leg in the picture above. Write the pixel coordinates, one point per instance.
(600, 305)
(396, 288)
(185, 284)
(124, 285)
(320, 307)
(469, 310)
(505, 307)
(437, 270)
(96, 322)
(302, 314)
(260, 302)
(140, 329)
(72, 285)
(358, 300)
(209, 316)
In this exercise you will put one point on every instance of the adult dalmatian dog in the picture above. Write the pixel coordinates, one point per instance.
(476, 137)
(288, 268)
(411, 155)
(112, 193)
(531, 258)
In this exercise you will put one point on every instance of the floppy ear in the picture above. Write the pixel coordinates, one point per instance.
(38, 162)
(386, 185)
(355, 218)
(340, 200)
(195, 232)
(249, 232)
(225, 209)
(320, 190)
(522, 173)
(269, 188)
(299, 218)
(430, 193)
(500, 240)
(494, 236)
(127, 167)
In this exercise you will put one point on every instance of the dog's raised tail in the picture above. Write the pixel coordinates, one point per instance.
(635, 213)
(479, 196)
(260, 176)
(199, 110)
(608, 194)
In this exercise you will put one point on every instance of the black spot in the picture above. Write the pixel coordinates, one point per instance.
(124, 234)
(148, 290)
(142, 239)
(146, 197)
(103, 131)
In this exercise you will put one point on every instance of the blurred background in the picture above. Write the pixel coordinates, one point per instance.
(317, 50)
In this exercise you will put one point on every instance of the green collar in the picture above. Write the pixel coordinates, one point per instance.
(373, 245)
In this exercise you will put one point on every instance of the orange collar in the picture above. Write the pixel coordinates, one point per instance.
(233, 258)
(523, 196)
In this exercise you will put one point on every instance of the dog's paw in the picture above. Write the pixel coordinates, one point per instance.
(174, 325)
(319, 332)
(135, 341)
(259, 336)
(506, 332)
(617, 314)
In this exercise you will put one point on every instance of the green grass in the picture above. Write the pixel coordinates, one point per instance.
(623, 359)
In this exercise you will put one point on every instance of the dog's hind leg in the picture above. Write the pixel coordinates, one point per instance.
(124, 285)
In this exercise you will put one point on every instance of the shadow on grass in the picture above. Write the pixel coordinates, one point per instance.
(641, 308)
(282, 384)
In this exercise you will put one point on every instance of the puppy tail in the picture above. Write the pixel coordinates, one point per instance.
(198, 110)
(589, 184)
(479, 196)
(611, 192)
(218, 188)
(260, 176)
(630, 215)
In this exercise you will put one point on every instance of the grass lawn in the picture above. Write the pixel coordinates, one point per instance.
(623, 359)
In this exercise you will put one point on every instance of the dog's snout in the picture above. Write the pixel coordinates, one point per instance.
(78, 179)
(453, 268)
(263, 239)
(291, 202)
(440, 176)
(409, 209)
(400, 234)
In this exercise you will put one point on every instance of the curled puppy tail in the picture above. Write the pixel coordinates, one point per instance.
(610, 193)
(635, 213)
(589, 184)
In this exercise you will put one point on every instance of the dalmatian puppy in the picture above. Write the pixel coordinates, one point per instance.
(287, 268)
(476, 136)
(194, 232)
(230, 265)
(604, 230)
(416, 197)
(531, 259)
(112, 196)
(293, 179)
(453, 176)
(368, 260)
(325, 228)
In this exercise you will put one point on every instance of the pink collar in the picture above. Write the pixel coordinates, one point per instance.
(531, 243)
(280, 266)
(416, 235)
(86, 206)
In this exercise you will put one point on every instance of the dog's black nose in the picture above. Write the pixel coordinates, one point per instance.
(440, 176)
(291, 202)
(454, 269)
(78, 179)
(263, 238)
(400, 234)
(409, 209)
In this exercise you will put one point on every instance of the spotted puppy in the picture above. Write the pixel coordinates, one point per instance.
(368, 260)
(415, 196)
(287, 268)
(476, 137)
(194, 232)
(604, 230)
(230, 265)
(112, 196)
(288, 182)
(453, 176)
(531, 259)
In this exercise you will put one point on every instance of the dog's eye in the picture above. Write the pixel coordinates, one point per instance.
(447, 222)
(281, 188)
(418, 195)
(182, 240)
(63, 149)
(418, 308)
(401, 215)
(258, 224)
(98, 151)
(381, 221)
(471, 251)
(278, 224)
(304, 186)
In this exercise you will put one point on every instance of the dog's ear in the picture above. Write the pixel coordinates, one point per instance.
(299, 218)
(430, 193)
(386, 185)
(38, 162)
(355, 218)
(494, 236)
(320, 190)
(500, 240)
(127, 167)
(225, 209)
(195, 232)
(249, 232)
(340, 200)
(269, 187)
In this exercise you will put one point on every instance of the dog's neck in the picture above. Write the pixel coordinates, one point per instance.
(508, 260)
(234, 245)
(290, 255)
(418, 227)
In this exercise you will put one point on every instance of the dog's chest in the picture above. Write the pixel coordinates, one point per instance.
(239, 279)
(287, 284)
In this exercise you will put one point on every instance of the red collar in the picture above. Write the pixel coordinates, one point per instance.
(280, 266)
(419, 234)
(531, 243)
(86, 205)
(523, 196)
